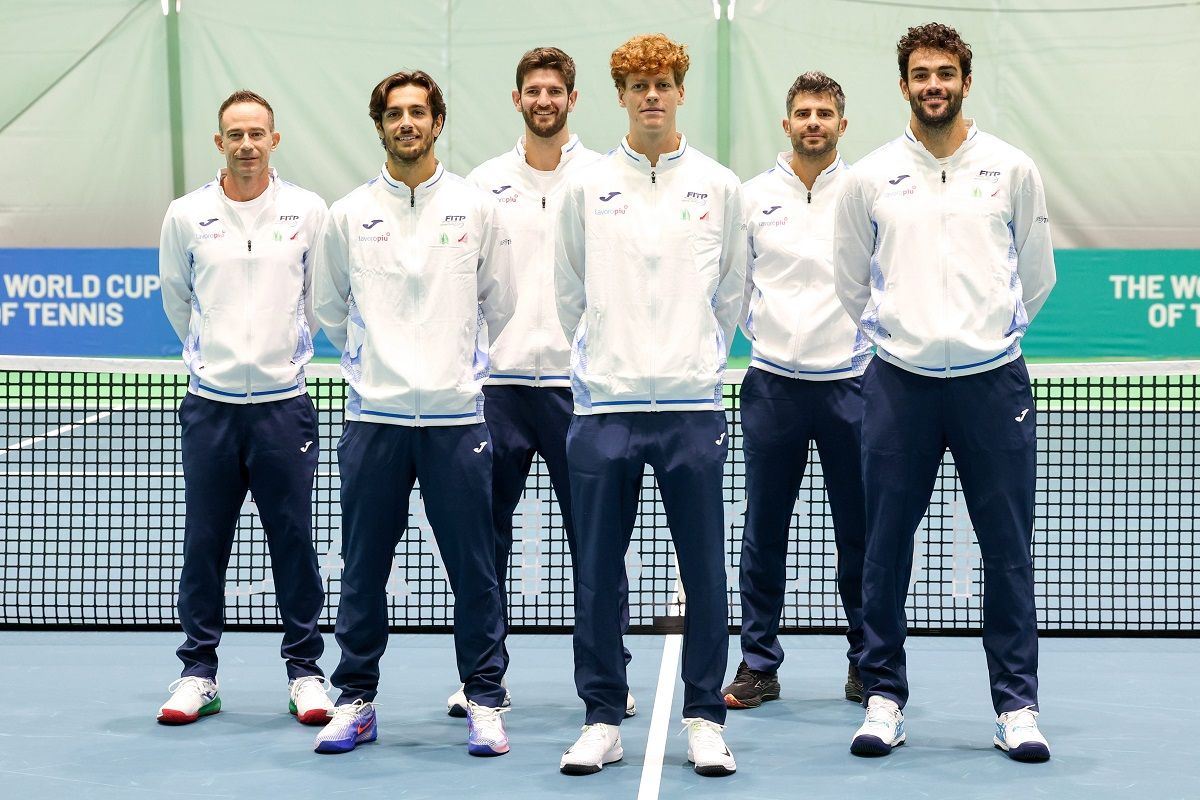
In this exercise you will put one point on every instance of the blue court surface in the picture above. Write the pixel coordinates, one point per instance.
(81, 724)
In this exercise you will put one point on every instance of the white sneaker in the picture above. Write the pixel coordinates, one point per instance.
(1017, 734)
(456, 704)
(882, 730)
(485, 730)
(352, 724)
(630, 706)
(309, 700)
(599, 744)
(707, 749)
(191, 699)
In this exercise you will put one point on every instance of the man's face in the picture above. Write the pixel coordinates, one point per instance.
(651, 102)
(408, 127)
(814, 125)
(544, 102)
(246, 140)
(935, 87)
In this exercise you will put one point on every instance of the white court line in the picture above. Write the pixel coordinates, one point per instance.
(660, 718)
(57, 431)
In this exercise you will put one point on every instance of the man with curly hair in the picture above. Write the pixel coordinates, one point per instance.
(650, 271)
(943, 257)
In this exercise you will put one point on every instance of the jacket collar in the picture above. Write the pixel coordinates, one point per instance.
(784, 164)
(639, 162)
(423, 190)
(914, 143)
(272, 184)
(569, 151)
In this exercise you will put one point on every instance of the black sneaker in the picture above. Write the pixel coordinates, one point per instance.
(854, 687)
(751, 688)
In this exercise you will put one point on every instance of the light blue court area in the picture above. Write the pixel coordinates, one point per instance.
(80, 724)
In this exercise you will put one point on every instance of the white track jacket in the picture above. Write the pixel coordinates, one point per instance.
(533, 350)
(944, 264)
(240, 300)
(794, 320)
(410, 285)
(650, 272)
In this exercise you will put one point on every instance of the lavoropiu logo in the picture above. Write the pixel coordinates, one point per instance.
(371, 224)
(608, 197)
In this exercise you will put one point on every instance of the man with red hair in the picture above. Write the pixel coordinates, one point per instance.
(650, 272)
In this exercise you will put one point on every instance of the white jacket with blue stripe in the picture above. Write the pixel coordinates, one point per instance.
(650, 272)
(795, 323)
(410, 285)
(241, 300)
(944, 263)
(533, 350)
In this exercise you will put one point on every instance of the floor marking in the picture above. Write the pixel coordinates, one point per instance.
(660, 718)
(59, 430)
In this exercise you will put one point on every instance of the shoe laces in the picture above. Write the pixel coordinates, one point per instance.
(882, 713)
(595, 733)
(1021, 719)
(346, 713)
(309, 683)
(703, 732)
(191, 683)
(485, 718)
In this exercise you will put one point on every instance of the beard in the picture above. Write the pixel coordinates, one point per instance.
(813, 151)
(941, 120)
(407, 156)
(541, 129)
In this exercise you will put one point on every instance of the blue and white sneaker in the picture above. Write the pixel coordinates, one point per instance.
(882, 730)
(352, 724)
(1017, 734)
(485, 730)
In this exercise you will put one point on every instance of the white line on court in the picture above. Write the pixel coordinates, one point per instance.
(56, 432)
(660, 718)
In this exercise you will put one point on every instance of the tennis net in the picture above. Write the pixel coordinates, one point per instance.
(91, 522)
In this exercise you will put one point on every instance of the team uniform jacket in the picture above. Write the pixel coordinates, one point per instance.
(944, 264)
(650, 272)
(794, 320)
(410, 285)
(241, 300)
(533, 350)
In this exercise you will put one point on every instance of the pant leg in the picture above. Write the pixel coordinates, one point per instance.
(454, 467)
(282, 450)
(903, 444)
(775, 434)
(215, 484)
(994, 443)
(375, 462)
(839, 442)
(689, 459)
(606, 479)
(553, 411)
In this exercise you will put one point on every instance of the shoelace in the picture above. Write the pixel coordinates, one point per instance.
(880, 714)
(344, 714)
(591, 734)
(191, 682)
(1022, 719)
(309, 683)
(708, 733)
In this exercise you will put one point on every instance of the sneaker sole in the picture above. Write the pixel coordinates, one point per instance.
(589, 769)
(735, 703)
(169, 716)
(1028, 753)
(714, 770)
(315, 716)
(486, 750)
(331, 747)
(873, 746)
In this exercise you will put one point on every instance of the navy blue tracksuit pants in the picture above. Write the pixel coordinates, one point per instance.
(379, 465)
(608, 454)
(988, 422)
(780, 416)
(523, 421)
(269, 449)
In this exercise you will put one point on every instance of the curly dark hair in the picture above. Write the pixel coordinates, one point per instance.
(437, 105)
(933, 36)
(815, 82)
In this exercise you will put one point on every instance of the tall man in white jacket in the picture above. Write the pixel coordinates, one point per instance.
(413, 278)
(943, 257)
(236, 285)
(804, 383)
(650, 272)
(529, 391)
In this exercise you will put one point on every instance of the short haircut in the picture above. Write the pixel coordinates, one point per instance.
(933, 36)
(648, 54)
(546, 58)
(815, 82)
(379, 95)
(246, 96)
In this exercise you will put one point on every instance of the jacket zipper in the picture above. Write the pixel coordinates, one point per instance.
(653, 306)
